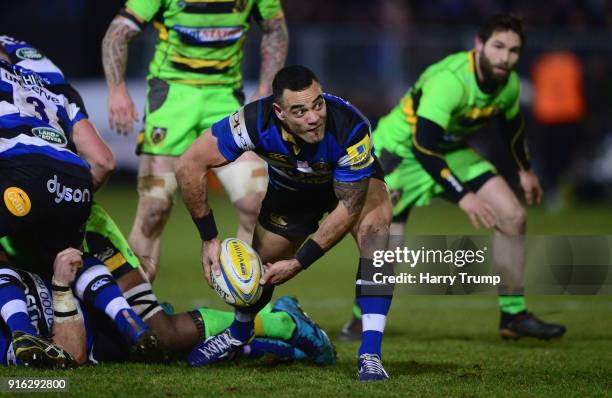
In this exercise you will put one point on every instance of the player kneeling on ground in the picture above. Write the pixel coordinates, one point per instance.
(320, 160)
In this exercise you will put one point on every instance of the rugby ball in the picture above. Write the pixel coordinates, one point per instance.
(241, 270)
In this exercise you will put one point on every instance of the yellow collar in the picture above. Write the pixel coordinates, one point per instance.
(290, 138)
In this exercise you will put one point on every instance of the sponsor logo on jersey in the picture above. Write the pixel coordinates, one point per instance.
(64, 193)
(208, 35)
(360, 154)
(279, 157)
(100, 282)
(105, 254)
(158, 134)
(28, 53)
(50, 135)
(239, 131)
(17, 201)
(448, 176)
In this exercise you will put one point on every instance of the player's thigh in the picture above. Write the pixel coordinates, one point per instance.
(408, 183)
(245, 176)
(498, 194)
(273, 247)
(289, 217)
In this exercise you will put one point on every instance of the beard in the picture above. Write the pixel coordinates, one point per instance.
(490, 78)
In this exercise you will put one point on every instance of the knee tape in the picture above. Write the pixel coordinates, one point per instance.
(161, 186)
(242, 178)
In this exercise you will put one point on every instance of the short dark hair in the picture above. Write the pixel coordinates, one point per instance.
(502, 22)
(294, 78)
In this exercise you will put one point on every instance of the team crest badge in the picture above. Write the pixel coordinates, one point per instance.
(279, 220)
(240, 5)
(158, 134)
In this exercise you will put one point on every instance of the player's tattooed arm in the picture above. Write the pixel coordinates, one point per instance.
(352, 195)
(351, 198)
(121, 109)
(274, 44)
(115, 49)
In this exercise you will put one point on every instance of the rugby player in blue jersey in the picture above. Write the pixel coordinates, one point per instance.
(47, 187)
(320, 160)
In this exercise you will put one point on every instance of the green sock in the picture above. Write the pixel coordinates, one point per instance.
(267, 309)
(276, 325)
(215, 321)
(512, 304)
(356, 311)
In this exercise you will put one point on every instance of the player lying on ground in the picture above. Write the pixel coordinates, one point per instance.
(320, 160)
(72, 333)
(107, 252)
(422, 147)
(44, 126)
(194, 80)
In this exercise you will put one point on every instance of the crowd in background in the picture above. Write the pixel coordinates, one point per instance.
(370, 51)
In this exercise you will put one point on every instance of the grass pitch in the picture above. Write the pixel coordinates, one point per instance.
(434, 345)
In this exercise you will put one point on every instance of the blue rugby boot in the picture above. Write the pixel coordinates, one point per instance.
(220, 347)
(370, 368)
(280, 349)
(308, 336)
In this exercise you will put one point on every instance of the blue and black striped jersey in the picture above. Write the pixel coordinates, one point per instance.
(38, 108)
(345, 153)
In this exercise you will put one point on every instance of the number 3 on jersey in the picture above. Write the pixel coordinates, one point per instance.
(39, 107)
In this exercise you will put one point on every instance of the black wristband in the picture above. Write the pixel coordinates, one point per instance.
(60, 288)
(206, 226)
(59, 314)
(309, 253)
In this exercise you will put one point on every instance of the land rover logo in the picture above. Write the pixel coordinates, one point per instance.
(28, 53)
(50, 135)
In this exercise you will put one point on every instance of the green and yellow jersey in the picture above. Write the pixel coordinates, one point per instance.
(448, 94)
(201, 41)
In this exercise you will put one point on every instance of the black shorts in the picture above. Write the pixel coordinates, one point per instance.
(45, 206)
(295, 214)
